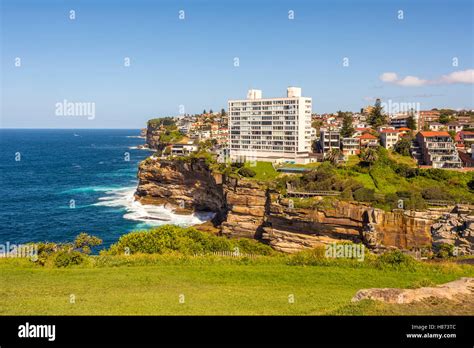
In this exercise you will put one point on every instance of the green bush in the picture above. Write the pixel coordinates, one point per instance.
(311, 257)
(470, 185)
(405, 170)
(65, 258)
(445, 250)
(435, 193)
(188, 241)
(251, 246)
(396, 259)
(247, 172)
(364, 195)
(84, 242)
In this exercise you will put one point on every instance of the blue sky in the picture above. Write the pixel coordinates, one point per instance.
(190, 62)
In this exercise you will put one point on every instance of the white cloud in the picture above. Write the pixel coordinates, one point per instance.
(412, 81)
(389, 77)
(465, 76)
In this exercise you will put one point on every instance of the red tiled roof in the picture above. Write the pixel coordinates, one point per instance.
(434, 134)
(367, 136)
(404, 129)
(389, 131)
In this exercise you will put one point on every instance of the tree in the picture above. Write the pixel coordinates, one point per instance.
(411, 123)
(223, 112)
(247, 172)
(210, 111)
(403, 146)
(445, 115)
(84, 242)
(376, 117)
(317, 124)
(347, 129)
(204, 112)
(369, 156)
(334, 155)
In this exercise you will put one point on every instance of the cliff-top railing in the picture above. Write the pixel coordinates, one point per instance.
(312, 193)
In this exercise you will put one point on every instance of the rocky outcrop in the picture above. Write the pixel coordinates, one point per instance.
(246, 202)
(456, 229)
(248, 208)
(289, 229)
(153, 136)
(450, 291)
(185, 186)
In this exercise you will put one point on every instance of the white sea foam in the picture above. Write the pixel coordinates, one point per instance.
(154, 215)
(140, 148)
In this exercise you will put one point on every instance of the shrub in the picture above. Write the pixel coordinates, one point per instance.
(65, 258)
(435, 193)
(237, 164)
(247, 172)
(187, 241)
(396, 259)
(311, 257)
(445, 250)
(406, 171)
(364, 195)
(403, 146)
(250, 246)
(84, 242)
(422, 283)
(470, 185)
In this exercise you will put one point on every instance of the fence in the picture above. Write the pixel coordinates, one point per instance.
(227, 253)
(312, 193)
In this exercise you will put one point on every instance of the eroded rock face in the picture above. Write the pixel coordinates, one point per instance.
(457, 230)
(153, 137)
(293, 229)
(247, 208)
(449, 291)
(246, 203)
(183, 186)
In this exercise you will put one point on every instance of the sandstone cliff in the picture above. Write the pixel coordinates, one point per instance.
(183, 186)
(288, 229)
(246, 202)
(153, 137)
(247, 208)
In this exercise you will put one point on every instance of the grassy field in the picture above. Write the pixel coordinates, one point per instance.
(264, 170)
(147, 285)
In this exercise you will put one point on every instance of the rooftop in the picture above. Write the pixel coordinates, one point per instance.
(367, 136)
(434, 134)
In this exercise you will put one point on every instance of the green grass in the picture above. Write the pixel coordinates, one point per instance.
(352, 160)
(407, 160)
(311, 165)
(264, 170)
(366, 180)
(151, 285)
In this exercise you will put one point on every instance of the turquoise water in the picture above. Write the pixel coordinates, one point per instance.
(58, 183)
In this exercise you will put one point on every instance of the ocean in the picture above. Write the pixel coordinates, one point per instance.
(56, 184)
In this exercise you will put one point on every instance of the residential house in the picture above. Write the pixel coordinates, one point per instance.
(368, 140)
(350, 146)
(438, 150)
(389, 137)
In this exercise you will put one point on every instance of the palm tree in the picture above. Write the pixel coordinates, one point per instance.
(334, 155)
(370, 156)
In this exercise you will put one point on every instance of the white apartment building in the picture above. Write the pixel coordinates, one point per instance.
(271, 129)
(389, 137)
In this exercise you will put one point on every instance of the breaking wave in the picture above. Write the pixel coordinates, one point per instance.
(151, 215)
